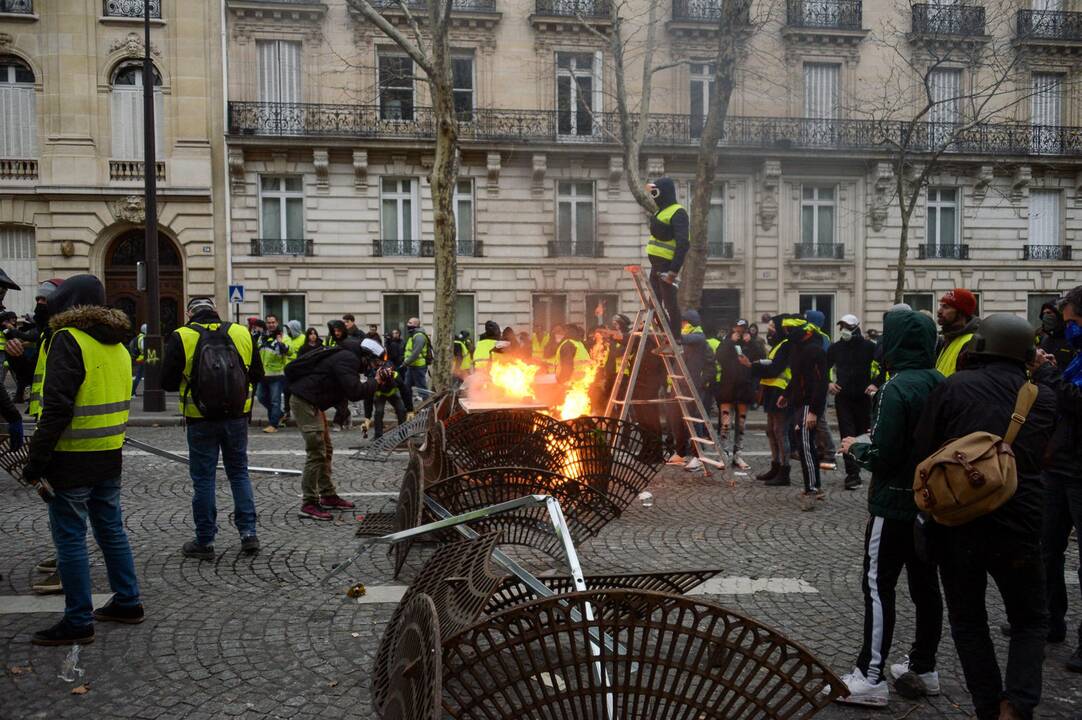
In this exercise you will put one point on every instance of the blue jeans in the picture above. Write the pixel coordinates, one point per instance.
(68, 514)
(416, 377)
(269, 394)
(137, 377)
(205, 439)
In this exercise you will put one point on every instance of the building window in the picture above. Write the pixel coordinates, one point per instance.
(462, 81)
(921, 302)
(716, 246)
(946, 110)
(549, 310)
(281, 213)
(600, 307)
(285, 308)
(703, 90)
(465, 315)
(400, 216)
(132, 8)
(821, 90)
(575, 219)
(822, 302)
(279, 71)
(942, 230)
(1034, 303)
(127, 97)
(398, 308)
(1044, 217)
(463, 203)
(18, 110)
(19, 258)
(395, 87)
(817, 219)
(1046, 112)
(578, 92)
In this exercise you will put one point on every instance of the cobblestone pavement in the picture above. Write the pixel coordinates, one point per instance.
(264, 638)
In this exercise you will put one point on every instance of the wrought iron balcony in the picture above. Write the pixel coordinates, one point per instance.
(932, 251)
(720, 250)
(468, 248)
(398, 247)
(1046, 252)
(819, 251)
(582, 248)
(299, 247)
(17, 7)
(696, 10)
(827, 14)
(131, 8)
(485, 6)
(1048, 25)
(956, 20)
(573, 8)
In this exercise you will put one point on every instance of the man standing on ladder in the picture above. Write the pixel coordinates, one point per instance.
(669, 229)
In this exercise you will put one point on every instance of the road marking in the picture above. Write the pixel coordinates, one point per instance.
(24, 604)
(382, 594)
(750, 586)
(292, 453)
(364, 494)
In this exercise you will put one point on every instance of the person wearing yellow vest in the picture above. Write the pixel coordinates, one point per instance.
(295, 339)
(387, 392)
(463, 356)
(208, 438)
(958, 321)
(774, 376)
(416, 361)
(75, 455)
(539, 340)
(486, 345)
(138, 350)
(274, 352)
(572, 357)
(667, 246)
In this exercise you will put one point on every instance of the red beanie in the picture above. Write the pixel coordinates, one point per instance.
(961, 300)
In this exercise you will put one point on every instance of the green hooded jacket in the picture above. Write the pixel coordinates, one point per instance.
(909, 353)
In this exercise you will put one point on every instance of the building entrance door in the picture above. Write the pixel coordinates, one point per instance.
(120, 282)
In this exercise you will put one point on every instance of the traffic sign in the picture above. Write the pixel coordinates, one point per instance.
(236, 294)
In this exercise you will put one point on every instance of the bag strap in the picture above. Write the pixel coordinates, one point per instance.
(1027, 395)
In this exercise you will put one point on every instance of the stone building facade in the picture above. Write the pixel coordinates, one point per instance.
(71, 173)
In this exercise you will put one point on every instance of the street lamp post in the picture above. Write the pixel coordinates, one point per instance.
(153, 395)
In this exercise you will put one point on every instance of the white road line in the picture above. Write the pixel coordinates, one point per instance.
(364, 494)
(749, 586)
(292, 453)
(24, 604)
(382, 594)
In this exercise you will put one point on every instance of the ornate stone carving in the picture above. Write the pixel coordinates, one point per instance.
(985, 175)
(6, 40)
(130, 209)
(493, 163)
(655, 167)
(236, 170)
(616, 171)
(321, 159)
(769, 180)
(132, 46)
(540, 167)
(360, 169)
(882, 179)
(1020, 182)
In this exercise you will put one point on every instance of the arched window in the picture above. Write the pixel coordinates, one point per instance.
(19, 258)
(18, 110)
(128, 112)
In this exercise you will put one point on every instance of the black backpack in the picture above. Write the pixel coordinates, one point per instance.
(219, 381)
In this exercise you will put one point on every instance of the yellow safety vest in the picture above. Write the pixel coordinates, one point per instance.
(714, 344)
(100, 416)
(140, 343)
(389, 393)
(538, 343)
(189, 338)
(295, 346)
(780, 381)
(467, 360)
(35, 384)
(664, 249)
(582, 355)
(420, 361)
(947, 362)
(482, 353)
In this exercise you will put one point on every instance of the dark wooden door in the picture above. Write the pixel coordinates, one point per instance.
(120, 280)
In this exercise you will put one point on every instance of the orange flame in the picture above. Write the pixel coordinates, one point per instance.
(512, 378)
(577, 401)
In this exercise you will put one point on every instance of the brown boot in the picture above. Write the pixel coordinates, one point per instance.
(1008, 711)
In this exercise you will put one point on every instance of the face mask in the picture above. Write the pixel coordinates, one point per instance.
(847, 335)
(1049, 323)
(1073, 333)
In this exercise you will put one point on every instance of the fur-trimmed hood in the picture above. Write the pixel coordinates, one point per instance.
(105, 325)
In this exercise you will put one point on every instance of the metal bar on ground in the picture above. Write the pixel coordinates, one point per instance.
(140, 445)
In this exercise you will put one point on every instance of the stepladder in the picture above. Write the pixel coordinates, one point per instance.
(651, 333)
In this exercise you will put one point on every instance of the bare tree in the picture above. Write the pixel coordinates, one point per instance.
(430, 50)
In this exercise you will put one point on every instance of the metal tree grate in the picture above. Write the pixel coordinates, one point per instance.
(459, 580)
(671, 657)
(612, 456)
(14, 461)
(514, 592)
(585, 509)
(505, 438)
(410, 510)
(433, 451)
(414, 682)
(380, 450)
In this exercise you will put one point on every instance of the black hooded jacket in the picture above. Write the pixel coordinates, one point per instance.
(808, 363)
(328, 376)
(78, 303)
(852, 363)
(1055, 342)
(679, 227)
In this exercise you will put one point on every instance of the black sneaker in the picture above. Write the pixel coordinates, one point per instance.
(781, 479)
(852, 482)
(112, 612)
(64, 634)
(47, 567)
(48, 586)
(193, 549)
(249, 545)
(1074, 663)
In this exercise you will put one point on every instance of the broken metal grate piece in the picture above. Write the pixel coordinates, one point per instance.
(376, 524)
(612, 456)
(410, 509)
(671, 657)
(414, 682)
(505, 438)
(459, 580)
(14, 461)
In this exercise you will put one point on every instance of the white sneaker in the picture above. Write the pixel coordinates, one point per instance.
(862, 692)
(675, 460)
(739, 462)
(693, 465)
(912, 686)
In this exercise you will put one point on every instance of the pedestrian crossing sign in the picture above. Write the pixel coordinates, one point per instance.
(236, 294)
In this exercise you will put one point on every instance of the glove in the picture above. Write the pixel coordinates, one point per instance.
(15, 430)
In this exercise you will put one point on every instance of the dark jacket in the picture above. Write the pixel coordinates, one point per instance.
(174, 360)
(1064, 453)
(679, 227)
(773, 367)
(982, 399)
(396, 350)
(852, 363)
(697, 356)
(909, 349)
(808, 363)
(948, 336)
(737, 383)
(65, 373)
(1054, 341)
(326, 377)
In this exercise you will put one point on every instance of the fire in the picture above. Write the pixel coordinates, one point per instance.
(577, 401)
(513, 378)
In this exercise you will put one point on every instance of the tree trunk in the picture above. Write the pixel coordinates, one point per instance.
(905, 209)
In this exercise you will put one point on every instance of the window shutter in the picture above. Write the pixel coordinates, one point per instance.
(18, 254)
(127, 122)
(289, 56)
(598, 104)
(1044, 213)
(1046, 102)
(18, 136)
(946, 93)
(1047, 5)
(821, 91)
(269, 87)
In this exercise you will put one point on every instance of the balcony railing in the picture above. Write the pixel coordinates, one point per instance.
(831, 14)
(959, 20)
(471, 248)
(132, 170)
(819, 251)
(581, 248)
(771, 133)
(18, 169)
(1048, 25)
(720, 250)
(1046, 252)
(17, 7)
(131, 8)
(696, 10)
(573, 8)
(300, 247)
(398, 247)
(486, 6)
(931, 251)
